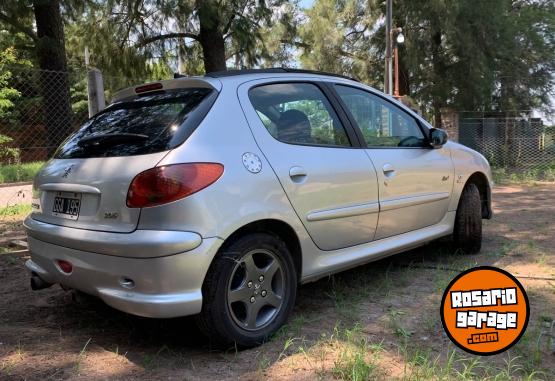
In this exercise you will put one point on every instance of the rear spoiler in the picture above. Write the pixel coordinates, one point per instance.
(170, 84)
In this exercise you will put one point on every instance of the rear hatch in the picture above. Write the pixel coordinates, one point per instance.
(85, 185)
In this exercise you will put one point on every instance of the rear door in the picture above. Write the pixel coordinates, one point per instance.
(85, 185)
(330, 183)
(415, 181)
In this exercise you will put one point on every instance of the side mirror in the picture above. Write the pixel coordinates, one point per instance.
(437, 137)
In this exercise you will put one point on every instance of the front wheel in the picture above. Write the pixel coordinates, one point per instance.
(249, 291)
(467, 233)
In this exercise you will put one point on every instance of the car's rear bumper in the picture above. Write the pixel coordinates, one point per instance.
(164, 287)
(137, 244)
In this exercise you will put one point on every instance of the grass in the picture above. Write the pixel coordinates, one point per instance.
(19, 210)
(423, 363)
(81, 357)
(357, 360)
(539, 172)
(396, 326)
(14, 173)
(355, 357)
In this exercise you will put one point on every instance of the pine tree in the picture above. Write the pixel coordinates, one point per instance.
(336, 38)
(466, 54)
(49, 50)
(224, 30)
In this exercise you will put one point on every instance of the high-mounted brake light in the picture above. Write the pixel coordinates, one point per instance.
(168, 183)
(149, 87)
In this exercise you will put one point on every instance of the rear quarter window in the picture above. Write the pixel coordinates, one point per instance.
(298, 113)
(147, 124)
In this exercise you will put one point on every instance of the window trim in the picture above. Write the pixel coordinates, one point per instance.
(350, 130)
(352, 120)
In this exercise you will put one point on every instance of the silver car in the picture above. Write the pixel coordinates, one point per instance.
(216, 196)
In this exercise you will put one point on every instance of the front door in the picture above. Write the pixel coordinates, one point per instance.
(331, 185)
(415, 181)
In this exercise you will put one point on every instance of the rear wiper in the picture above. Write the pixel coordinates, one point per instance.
(110, 139)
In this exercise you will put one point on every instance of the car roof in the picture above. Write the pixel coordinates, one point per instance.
(274, 70)
(214, 80)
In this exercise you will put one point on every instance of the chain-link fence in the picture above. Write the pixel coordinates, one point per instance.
(513, 142)
(50, 105)
(45, 108)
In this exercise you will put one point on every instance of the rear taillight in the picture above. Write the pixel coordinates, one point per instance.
(168, 183)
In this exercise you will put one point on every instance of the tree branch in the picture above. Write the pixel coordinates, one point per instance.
(341, 52)
(354, 31)
(11, 21)
(168, 36)
(232, 17)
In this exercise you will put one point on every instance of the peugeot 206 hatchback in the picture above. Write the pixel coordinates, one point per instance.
(216, 196)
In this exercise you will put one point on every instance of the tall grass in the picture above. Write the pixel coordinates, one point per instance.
(14, 173)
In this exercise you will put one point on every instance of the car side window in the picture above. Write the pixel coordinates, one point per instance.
(382, 124)
(298, 113)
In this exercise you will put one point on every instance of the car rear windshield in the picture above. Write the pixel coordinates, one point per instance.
(146, 124)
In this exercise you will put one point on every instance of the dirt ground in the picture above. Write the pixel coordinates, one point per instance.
(379, 321)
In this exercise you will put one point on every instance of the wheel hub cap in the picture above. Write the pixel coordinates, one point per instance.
(256, 290)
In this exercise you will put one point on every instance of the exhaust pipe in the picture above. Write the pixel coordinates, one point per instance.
(37, 283)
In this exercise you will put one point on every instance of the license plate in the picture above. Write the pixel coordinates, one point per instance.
(67, 207)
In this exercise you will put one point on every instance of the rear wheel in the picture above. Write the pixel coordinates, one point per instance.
(249, 291)
(467, 234)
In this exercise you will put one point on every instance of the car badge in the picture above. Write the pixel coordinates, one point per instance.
(67, 171)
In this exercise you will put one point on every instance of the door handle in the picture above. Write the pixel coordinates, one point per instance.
(388, 170)
(297, 174)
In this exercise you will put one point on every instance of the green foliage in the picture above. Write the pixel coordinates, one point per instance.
(100, 36)
(124, 41)
(538, 172)
(274, 44)
(336, 38)
(79, 98)
(14, 173)
(470, 54)
(7, 153)
(7, 93)
(15, 210)
(466, 54)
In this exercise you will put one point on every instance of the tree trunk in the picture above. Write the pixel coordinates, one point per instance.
(404, 80)
(211, 38)
(54, 81)
(437, 72)
(438, 122)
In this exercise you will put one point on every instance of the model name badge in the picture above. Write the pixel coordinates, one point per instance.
(111, 215)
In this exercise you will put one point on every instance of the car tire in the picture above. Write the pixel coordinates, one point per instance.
(467, 233)
(249, 291)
